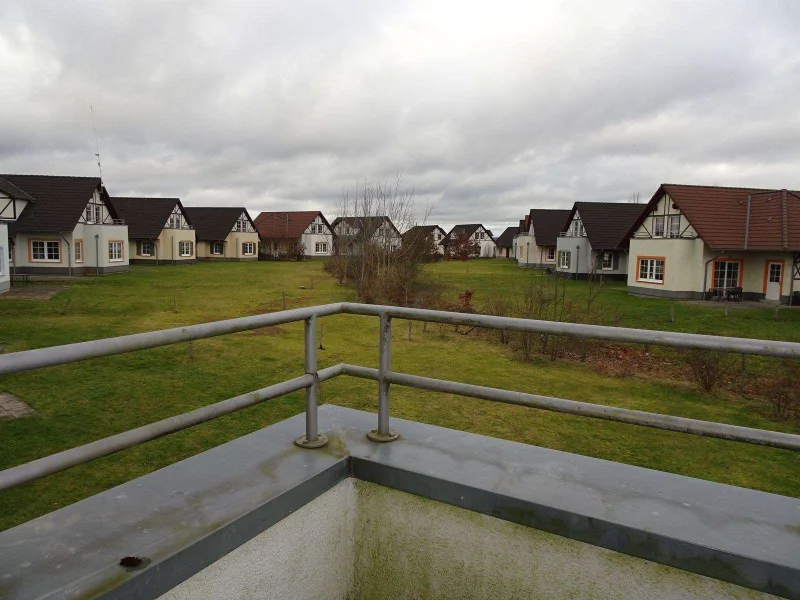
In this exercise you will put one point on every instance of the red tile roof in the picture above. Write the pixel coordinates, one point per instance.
(285, 225)
(720, 215)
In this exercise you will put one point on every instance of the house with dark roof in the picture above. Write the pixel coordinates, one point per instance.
(160, 232)
(59, 225)
(289, 232)
(696, 241)
(596, 239)
(505, 242)
(350, 233)
(536, 244)
(223, 233)
(474, 233)
(429, 234)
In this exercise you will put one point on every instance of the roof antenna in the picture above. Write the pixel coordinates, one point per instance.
(96, 145)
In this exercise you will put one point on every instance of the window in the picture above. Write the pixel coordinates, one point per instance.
(607, 261)
(248, 248)
(186, 248)
(674, 226)
(45, 251)
(480, 235)
(775, 272)
(93, 213)
(321, 248)
(320, 228)
(146, 248)
(243, 224)
(174, 221)
(576, 229)
(726, 274)
(78, 251)
(658, 226)
(551, 254)
(563, 259)
(651, 269)
(115, 251)
(216, 248)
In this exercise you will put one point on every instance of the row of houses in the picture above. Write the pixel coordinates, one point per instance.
(687, 242)
(59, 225)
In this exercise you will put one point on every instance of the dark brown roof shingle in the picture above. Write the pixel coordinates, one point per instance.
(608, 224)
(58, 201)
(214, 223)
(146, 217)
(547, 224)
(506, 239)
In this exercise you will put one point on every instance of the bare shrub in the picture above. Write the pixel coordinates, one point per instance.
(462, 247)
(784, 392)
(369, 251)
(708, 368)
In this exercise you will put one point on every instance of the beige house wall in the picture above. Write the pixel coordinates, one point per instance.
(231, 247)
(95, 251)
(683, 264)
(166, 247)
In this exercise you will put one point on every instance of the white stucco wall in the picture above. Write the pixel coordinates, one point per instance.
(365, 541)
(5, 267)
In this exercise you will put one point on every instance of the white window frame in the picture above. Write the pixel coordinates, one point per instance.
(78, 251)
(251, 251)
(214, 246)
(658, 223)
(141, 248)
(189, 249)
(727, 272)
(321, 248)
(651, 270)
(46, 251)
(673, 231)
(610, 256)
(550, 255)
(564, 259)
(112, 255)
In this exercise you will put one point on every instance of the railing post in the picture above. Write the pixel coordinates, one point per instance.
(383, 433)
(312, 438)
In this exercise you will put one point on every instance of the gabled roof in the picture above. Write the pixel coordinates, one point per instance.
(422, 231)
(364, 225)
(465, 229)
(547, 224)
(58, 201)
(521, 228)
(146, 217)
(506, 239)
(720, 215)
(286, 225)
(214, 223)
(607, 224)
(12, 191)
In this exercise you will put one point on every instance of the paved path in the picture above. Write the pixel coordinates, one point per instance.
(12, 407)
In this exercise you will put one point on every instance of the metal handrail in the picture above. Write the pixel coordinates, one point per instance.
(57, 355)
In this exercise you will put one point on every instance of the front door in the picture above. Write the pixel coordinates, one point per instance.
(774, 279)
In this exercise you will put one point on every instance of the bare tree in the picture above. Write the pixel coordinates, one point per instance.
(463, 247)
(634, 199)
(369, 252)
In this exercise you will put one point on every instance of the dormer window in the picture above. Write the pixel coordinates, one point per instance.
(94, 213)
(576, 230)
(674, 226)
(658, 226)
(243, 224)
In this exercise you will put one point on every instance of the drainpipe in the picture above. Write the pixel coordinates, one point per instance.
(577, 259)
(705, 272)
(238, 247)
(69, 254)
(97, 254)
(172, 243)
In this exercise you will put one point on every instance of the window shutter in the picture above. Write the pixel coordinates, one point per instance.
(615, 260)
(569, 258)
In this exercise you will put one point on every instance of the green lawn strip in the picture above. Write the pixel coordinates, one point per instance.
(83, 402)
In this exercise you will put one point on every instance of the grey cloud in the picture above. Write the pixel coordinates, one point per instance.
(487, 109)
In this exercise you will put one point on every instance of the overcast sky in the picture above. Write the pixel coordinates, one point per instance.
(488, 109)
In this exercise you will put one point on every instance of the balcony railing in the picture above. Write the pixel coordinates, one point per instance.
(383, 375)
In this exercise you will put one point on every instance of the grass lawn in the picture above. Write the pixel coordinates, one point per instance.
(82, 402)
